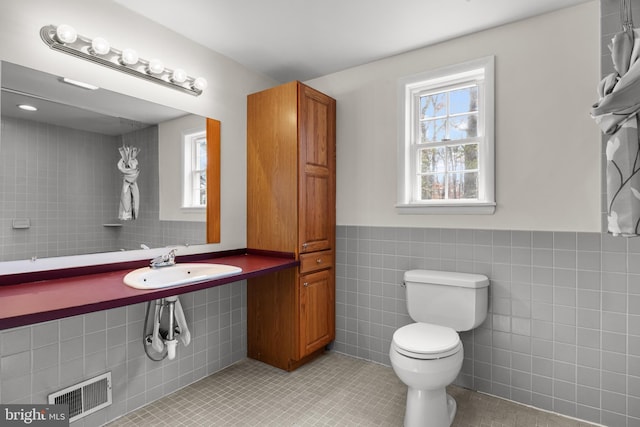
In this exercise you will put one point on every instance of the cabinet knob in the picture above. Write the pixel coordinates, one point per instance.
(305, 284)
(319, 260)
(304, 245)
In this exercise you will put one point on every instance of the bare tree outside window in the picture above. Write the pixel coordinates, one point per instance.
(449, 170)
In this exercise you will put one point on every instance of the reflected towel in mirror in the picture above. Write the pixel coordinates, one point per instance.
(130, 195)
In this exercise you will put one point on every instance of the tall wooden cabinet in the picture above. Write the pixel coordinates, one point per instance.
(291, 208)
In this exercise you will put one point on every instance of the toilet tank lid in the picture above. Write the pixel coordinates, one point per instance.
(466, 280)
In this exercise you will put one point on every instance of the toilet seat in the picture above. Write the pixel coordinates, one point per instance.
(426, 341)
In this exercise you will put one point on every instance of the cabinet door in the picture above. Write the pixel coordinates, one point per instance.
(272, 333)
(317, 311)
(272, 169)
(316, 128)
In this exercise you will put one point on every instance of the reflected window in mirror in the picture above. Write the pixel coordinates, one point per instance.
(194, 179)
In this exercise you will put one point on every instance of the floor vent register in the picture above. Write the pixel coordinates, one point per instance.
(86, 397)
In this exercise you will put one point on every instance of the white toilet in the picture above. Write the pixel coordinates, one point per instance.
(427, 355)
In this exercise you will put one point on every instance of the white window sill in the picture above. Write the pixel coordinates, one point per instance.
(193, 209)
(462, 208)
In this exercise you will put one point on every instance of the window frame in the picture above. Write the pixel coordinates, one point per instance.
(189, 141)
(480, 71)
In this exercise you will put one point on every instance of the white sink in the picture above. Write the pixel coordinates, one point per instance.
(178, 274)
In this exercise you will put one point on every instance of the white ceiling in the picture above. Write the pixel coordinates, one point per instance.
(303, 39)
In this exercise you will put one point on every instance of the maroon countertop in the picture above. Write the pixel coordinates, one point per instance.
(37, 301)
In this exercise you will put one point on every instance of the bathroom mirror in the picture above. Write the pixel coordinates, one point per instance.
(59, 181)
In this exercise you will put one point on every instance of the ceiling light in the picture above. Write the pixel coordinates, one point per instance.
(79, 84)
(64, 38)
(27, 107)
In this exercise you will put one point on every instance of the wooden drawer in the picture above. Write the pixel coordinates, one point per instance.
(315, 261)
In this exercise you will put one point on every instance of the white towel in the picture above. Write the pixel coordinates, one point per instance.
(130, 195)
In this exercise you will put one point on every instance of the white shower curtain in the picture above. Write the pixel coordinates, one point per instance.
(130, 195)
(616, 112)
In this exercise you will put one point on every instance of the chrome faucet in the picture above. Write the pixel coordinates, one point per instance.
(164, 260)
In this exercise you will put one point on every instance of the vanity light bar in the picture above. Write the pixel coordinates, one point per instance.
(65, 39)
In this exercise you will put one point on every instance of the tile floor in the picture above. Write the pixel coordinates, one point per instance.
(333, 390)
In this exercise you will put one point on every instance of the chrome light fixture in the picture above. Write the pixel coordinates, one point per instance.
(64, 38)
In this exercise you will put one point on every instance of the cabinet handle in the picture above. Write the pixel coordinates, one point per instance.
(304, 245)
(305, 284)
(319, 260)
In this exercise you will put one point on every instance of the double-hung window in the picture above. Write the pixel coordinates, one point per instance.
(446, 147)
(195, 170)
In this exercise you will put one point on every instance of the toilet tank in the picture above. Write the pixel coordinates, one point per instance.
(456, 300)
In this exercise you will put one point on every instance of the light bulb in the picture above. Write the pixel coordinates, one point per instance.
(129, 57)
(155, 66)
(179, 75)
(66, 34)
(100, 46)
(200, 83)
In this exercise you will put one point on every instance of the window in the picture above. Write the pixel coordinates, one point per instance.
(195, 170)
(446, 148)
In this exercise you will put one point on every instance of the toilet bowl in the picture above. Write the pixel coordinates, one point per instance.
(427, 355)
(427, 358)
